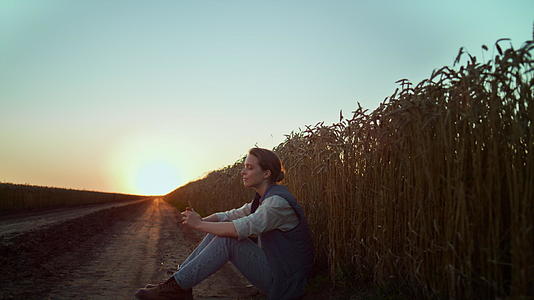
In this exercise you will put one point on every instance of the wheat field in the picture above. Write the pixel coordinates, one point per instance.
(431, 193)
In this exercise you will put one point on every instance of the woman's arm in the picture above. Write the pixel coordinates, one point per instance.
(235, 213)
(274, 213)
(211, 218)
(229, 215)
(217, 228)
(192, 219)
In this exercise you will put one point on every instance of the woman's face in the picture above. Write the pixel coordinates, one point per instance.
(253, 175)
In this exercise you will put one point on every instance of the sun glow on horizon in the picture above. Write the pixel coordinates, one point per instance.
(155, 178)
(148, 165)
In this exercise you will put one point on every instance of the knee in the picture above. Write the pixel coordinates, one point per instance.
(209, 235)
(226, 241)
(207, 239)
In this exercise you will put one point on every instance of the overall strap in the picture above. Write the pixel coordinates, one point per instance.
(258, 199)
(255, 204)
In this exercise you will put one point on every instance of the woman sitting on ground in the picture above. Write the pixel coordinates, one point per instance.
(278, 262)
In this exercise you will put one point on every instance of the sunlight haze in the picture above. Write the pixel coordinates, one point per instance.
(144, 96)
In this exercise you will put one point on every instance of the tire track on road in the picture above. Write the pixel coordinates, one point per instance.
(126, 261)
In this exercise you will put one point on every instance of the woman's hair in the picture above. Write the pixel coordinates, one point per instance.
(269, 161)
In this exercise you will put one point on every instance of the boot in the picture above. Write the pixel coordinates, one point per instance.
(168, 290)
(151, 285)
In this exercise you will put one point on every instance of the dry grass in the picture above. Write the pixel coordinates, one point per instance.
(431, 193)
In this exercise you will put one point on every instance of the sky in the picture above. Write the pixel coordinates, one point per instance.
(142, 97)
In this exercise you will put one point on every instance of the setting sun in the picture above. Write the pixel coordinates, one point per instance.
(155, 178)
(148, 164)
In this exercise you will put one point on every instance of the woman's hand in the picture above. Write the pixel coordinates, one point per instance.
(191, 218)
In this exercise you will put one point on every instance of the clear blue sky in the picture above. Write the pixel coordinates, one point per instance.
(144, 96)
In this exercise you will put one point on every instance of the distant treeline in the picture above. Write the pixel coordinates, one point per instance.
(18, 197)
(431, 194)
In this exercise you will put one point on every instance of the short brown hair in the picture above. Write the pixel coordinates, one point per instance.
(269, 161)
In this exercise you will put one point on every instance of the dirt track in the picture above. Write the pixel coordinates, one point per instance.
(107, 255)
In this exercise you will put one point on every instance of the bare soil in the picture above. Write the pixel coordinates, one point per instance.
(107, 254)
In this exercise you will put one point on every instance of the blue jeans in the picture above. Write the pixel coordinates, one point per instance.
(214, 251)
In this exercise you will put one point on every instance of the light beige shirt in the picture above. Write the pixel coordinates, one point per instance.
(273, 213)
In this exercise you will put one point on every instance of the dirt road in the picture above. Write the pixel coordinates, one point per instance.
(107, 255)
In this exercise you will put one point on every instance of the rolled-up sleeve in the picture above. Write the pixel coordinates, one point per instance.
(274, 213)
(235, 213)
